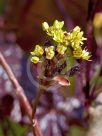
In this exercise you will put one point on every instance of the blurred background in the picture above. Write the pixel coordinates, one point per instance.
(62, 112)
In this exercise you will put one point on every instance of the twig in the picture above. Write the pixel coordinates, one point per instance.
(91, 43)
(91, 9)
(68, 21)
(20, 93)
(36, 102)
(34, 122)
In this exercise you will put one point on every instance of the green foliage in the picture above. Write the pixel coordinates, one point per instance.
(1, 131)
(13, 129)
(62, 42)
(2, 6)
(16, 129)
(76, 131)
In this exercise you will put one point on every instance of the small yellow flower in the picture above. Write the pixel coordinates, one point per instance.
(61, 49)
(50, 52)
(38, 51)
(55, 31)
(77, 53)
(76, 38)
(58, 24)
(45, 26)
(35, 59)
(85, 55)
(76, 29)
(58, 36)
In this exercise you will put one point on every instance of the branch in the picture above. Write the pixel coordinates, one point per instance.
(36, 102)
(91, 44)
(91, 9)
(21, 96)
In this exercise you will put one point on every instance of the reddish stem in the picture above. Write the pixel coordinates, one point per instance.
(21, 96)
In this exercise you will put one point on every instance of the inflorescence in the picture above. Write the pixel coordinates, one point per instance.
(63, 41)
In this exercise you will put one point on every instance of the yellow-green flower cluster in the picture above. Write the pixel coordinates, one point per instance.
(49, 52)
(79, 53)
(38, 51)
(36, 54)
(65, 39)
(76, 42)
(55, 31)
(62, 41)
(76, 37)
